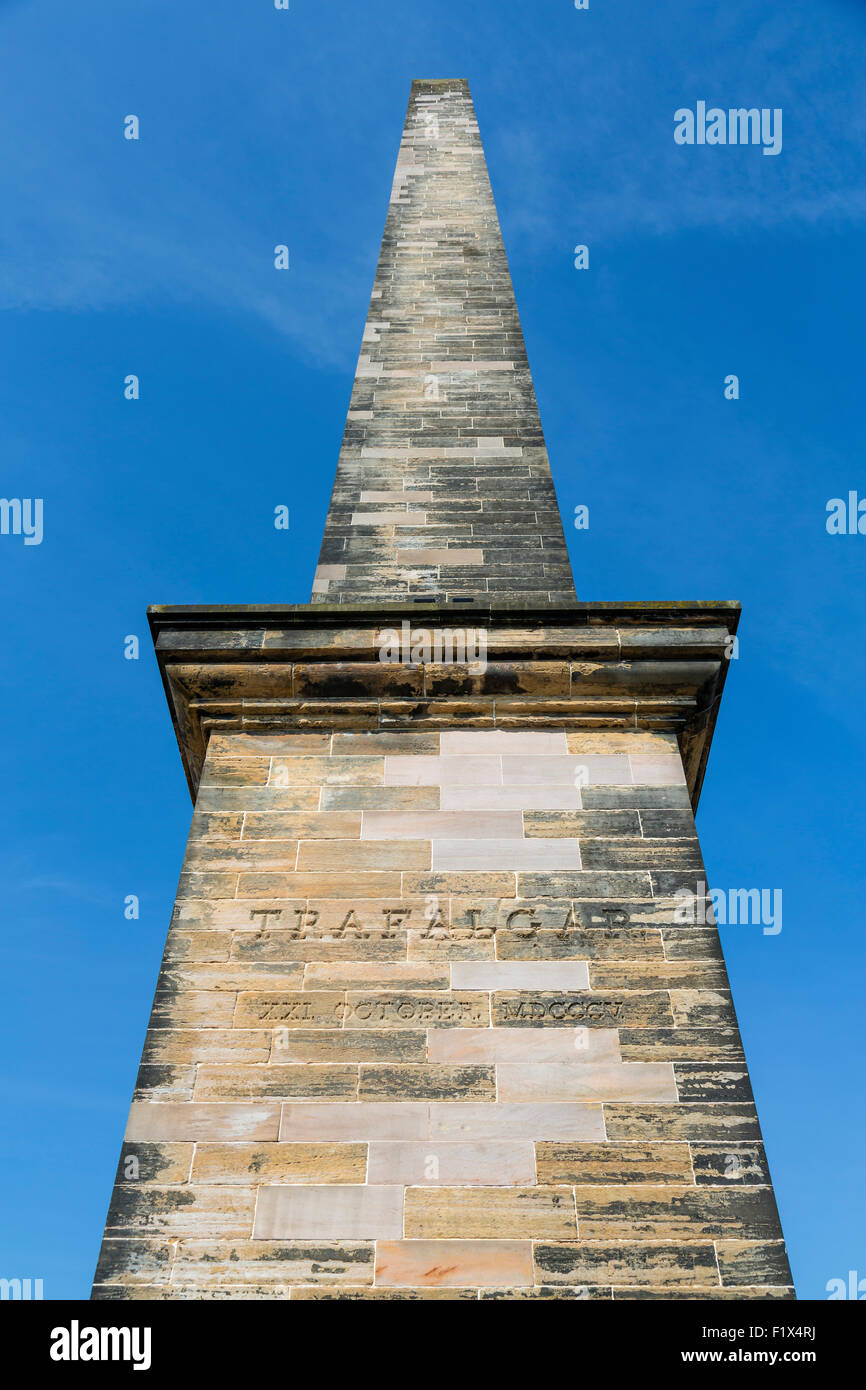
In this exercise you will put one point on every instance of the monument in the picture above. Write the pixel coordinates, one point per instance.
(442, 1012)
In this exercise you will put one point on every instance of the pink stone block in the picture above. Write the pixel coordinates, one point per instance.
(486, 1045)
(529, 744)
(425, 825)
(324, 576)
(454, 1264)
(556, 975)
(436, 1163)
(389, 519)
(353, 1120)
(517, 855)
(428, 771)
(396, 496)
(590, 769)
(434, 556)
(202, 1120)
(602, 1081)
(526, 1120)
(511, 799)
(326, 1213)
(657, 772)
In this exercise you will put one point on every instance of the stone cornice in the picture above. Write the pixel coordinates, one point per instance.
(271, 669)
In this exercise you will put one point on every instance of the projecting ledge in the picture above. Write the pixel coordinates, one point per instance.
(276, 669)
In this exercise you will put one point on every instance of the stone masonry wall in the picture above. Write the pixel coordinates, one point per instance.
(427, 1027)
(443, 485)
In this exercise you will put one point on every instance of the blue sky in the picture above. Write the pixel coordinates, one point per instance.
(155, 257)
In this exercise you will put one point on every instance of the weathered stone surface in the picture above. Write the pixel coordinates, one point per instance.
(612, 798)
(571, 1058)
(600, 1164)
(289, 825)
(699, 1081)
(377, 977)
(162, 1082)
(434, 1081)
(282, 1162)
(549, 1293)
(489, 1213)
(675, 1212)
(734, 1123)
(702, 1008)
(532, 942)
(663, 1265)
(442, 394)
(272, 1261)
(161, 1163)
(670, 974)
(181, 1210)
(181, 1045)
(349, 1045)
(730, 1163)
(236, 976)
(130, 1260)
(431, 1295)
(713, 1295)
(278, 1082)
(691, 943)
(192, 1007)
(675, 1044)
(744, 1263)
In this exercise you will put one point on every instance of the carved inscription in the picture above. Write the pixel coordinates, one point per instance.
(566, 1009)
(357, 1010)
(524, 922)
(456, 1010)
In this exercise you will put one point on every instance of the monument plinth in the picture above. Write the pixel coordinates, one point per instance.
(431, 1021)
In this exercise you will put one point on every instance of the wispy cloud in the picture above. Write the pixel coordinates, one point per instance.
(602, 147)
(246, 142)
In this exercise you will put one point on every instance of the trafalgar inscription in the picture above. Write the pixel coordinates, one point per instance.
(436, 924)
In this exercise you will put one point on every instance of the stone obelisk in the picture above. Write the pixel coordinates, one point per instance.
(443, 1011)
